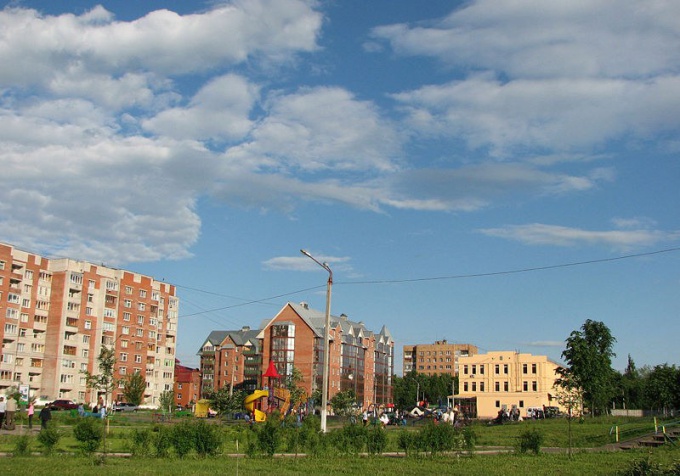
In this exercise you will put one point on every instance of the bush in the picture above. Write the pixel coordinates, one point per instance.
(141, 442)
(268, 435)
(350, 439)
(407, 441)
(22, 446)
(376, 441)
(437, 438)
(207, 438)
(182, 438)
(89, 432)
(48, 438)
(530, 440)
(162, 441)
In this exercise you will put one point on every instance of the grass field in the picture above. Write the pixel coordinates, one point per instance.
(587, 437)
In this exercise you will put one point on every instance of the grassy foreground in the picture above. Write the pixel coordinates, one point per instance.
(504, 464)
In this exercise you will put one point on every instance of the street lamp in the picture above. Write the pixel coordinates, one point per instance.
(327, 341)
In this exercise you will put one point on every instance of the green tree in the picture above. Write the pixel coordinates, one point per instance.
(588, 356)
(297, 394)
(167, 401)
(103, 381)
(134, 387)
(661, 387)
(343, 402)
(224, 401)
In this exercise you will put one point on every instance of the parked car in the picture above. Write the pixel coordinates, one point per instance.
(41, 401)
(124, 407)
(63, 405)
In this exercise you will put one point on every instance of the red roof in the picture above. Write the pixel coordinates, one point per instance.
(271, 371)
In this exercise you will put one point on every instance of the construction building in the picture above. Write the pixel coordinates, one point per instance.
(56, 314)
(438, 358)
(503, 380)
(361, 360)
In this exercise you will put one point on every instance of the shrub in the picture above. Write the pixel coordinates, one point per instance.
(435, 438)
(48, 438)
(89, 432)
(162, 441)
(530, 440)
(22, 446)
(407, 441)
(350, 439)
(469, 439)
(268, 435)
(182, 438)
(141, 442)
(376, 441)
(207, 438)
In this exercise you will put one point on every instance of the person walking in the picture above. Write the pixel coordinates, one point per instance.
(45, 416)
(30, 411)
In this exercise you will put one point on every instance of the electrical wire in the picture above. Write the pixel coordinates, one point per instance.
(434, 278)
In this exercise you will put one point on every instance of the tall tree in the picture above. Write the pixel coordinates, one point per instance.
(103, 382)
(588, 356)
(134, 387)
(661, 387)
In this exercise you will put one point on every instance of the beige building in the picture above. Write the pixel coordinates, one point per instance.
(505, 380)
(56, 314)
(438, 358)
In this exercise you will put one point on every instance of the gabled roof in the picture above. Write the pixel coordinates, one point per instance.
(240, 338)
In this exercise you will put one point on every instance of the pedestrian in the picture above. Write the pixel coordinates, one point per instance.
(30, 411)
(45, 416)
(364, 417)
(10, 410)
(3, 407)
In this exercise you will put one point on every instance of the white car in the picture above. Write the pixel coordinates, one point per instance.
(42, 400)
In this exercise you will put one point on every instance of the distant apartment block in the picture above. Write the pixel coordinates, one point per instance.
(438, 358)
(360, 359)
(56, 314)
(505, 380)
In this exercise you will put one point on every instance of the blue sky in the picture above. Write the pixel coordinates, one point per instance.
(427, 151)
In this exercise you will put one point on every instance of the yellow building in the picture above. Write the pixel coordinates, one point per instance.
(501, 380)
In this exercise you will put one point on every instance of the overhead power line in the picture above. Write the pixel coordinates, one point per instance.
(435, 278)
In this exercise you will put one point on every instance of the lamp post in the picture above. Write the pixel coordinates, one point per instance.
(327, 341)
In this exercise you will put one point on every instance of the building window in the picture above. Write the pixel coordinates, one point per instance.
(521, 403)
(465, 386)
(498, 403)
(534, 386)
(481, 386)
(505, 369)
(497, 386)
(525, 368)
(474, 386)
(533, 368)
(465, 369)
(497, 369)
(506, 386)
(526, 386)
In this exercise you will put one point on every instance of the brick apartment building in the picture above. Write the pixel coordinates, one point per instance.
(360, 359)
(439, 358)
(187, 385)
(56, 314)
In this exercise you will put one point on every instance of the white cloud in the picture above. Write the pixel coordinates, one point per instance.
(537, 39)
(40, 48)
(542, 234)
(220, 110)
(324, 129)
(303, 263)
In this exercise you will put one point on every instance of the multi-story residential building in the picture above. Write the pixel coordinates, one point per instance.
(56, 315)
(500, 380)
(438, 358)
(230, 358)
(187, 385)
(360, 359)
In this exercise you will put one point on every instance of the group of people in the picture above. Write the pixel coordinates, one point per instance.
(8, 408)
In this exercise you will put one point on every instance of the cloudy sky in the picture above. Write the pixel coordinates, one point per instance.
(489, 171)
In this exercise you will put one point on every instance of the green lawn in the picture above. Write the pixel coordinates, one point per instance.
(591, 433)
